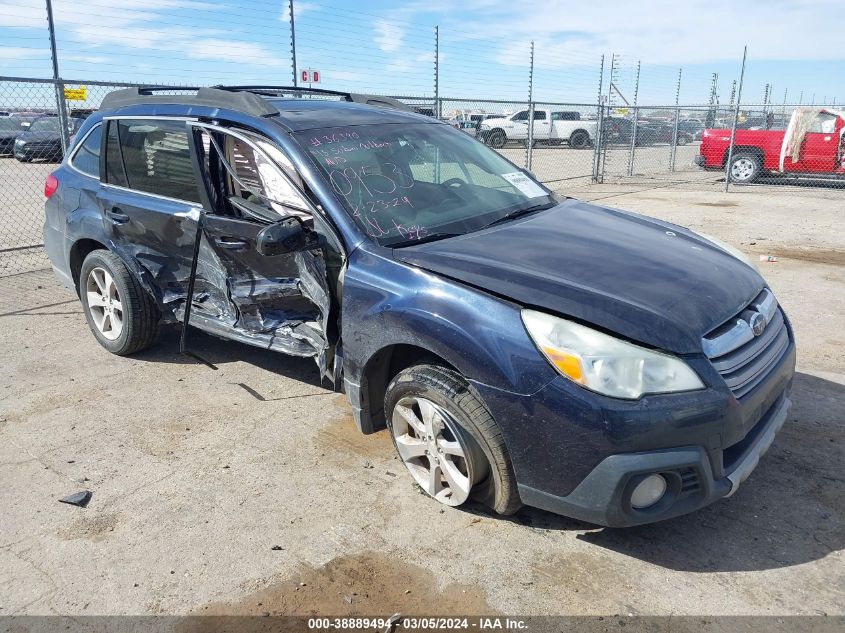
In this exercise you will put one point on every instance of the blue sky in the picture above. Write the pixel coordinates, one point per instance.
(388, 47)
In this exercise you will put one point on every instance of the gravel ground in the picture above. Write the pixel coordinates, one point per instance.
(246, 489)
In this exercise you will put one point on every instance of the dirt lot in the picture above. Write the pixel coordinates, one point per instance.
(246, 489)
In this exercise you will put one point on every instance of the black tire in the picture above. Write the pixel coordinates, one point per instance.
(579, 140)
(24, 159)
(498, 139)
(745, 168)
(140, 315)
(525, 143)
(682, 139)
(449, 390)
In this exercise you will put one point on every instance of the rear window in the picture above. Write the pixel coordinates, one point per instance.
(87, 157)
(151, 156)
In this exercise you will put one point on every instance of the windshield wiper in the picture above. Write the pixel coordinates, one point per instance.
(519, 212)
(428, 238)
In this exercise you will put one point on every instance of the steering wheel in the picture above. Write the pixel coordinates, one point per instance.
(454, 182)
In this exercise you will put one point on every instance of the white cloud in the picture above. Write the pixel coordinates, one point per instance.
(389, 35)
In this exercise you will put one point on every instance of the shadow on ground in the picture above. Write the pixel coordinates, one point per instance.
(216, 352)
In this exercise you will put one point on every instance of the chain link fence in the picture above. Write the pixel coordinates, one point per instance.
(566, 145)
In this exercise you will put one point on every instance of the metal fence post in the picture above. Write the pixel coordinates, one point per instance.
(603, 148)
(674, 149)
(597, 137)
(437, 107)
(736, 116)
(292, 43)
(61, 105)
(530, 141)
(634, 126)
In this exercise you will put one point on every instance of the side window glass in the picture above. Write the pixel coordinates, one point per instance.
(256, 171)
(115, 173)
(824, 123)
(87, 156)
(157, 158)
(539, 115)
(521, 116)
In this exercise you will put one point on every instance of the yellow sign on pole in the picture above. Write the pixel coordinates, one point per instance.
(76, 94)
(622, 111)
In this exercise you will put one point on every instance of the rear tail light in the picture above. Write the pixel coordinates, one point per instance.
(50, 186)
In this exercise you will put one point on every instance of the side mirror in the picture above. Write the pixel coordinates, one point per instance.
(282, 237)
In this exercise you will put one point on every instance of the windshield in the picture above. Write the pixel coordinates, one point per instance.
(10, 125)
(406, 183)
(47, 124)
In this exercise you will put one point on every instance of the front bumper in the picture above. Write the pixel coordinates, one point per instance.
(580, 454)
(603, 497)
(29, 152)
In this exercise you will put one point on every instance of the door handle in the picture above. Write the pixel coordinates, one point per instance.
(117, 216)
(231, 243)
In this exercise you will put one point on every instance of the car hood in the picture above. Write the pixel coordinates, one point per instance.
(36, 137)
(647, 280)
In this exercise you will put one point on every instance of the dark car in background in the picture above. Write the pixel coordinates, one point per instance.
(517, 346)
(10, 128)
(43, 139)
(665, 133)
(693, 127)
(619, 130)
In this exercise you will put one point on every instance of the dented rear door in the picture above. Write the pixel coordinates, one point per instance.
(150, 201)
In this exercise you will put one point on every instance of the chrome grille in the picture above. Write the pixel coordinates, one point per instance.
(741, 356)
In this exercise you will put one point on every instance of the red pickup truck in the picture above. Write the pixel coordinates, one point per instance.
(813, 143)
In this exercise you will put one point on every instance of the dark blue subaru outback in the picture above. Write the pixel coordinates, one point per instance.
(520, 347)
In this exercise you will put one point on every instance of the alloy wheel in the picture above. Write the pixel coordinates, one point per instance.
(104, 303)
(429, 443)
(742, 169)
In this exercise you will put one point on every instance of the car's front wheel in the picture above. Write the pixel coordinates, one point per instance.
(122, 316)
(498, 139)
(448, 441)
(579, 140)
(744, 168)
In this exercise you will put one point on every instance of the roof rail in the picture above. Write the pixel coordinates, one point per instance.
(278, 91)
(241, 101)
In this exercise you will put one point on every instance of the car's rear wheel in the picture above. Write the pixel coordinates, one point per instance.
(579, 139)
(447, 439)
(744, 168)
(121, 315)
(498, 139)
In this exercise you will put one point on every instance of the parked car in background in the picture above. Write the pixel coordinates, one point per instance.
(518, 347)
(812, 144)
(551, 127)
(10, 128)
(43, 139)
(469, 122)
(693, 127)
(620, 130)
(665, 133)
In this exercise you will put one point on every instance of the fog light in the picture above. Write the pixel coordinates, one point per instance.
(648, 492)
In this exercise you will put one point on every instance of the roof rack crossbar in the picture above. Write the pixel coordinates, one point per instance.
(367, 99)
(241, 101)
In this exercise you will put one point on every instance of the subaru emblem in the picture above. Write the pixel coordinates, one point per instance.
(758, 323)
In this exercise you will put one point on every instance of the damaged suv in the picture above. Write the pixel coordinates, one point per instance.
(520, 347)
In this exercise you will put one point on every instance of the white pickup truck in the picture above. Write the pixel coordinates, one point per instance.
(550, 126)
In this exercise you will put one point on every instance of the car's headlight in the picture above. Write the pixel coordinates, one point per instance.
(18, 142)
(730, 250)
(484, 126)
(606, 364)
